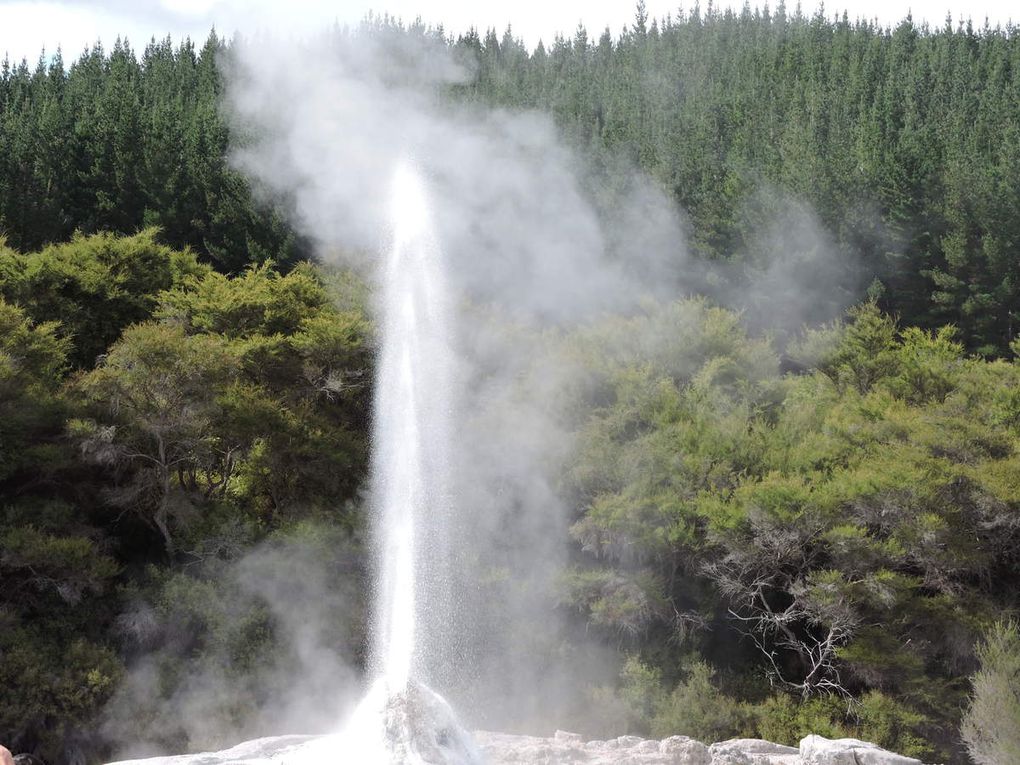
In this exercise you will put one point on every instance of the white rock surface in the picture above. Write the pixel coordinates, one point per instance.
(418, 726)
(277, 749)
(816, 750)
(563, 748)
(753, 751)
(509, 749)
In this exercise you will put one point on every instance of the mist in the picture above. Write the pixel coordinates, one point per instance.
(527, 250)
(532, 252)
(302, 593)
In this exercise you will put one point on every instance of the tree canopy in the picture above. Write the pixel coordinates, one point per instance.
(771, 538)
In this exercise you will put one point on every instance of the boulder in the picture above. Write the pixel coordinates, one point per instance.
(729, 756)
(753, 751)
(412, 725)
(273, 748)
(754, 746)
(685, 751)
(624, 742)
(818, 750)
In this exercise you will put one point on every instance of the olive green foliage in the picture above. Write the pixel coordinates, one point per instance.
(32, 359)
(223, 650)
(58, 667)
(160, 388)
(874, 717)
(53, 689)
(705, 706)
(159, 422)
(779, 553)
(697, 705)
(54, 569)
(94, 286)
(991, 726)
(249, 389)
(849, 531)
(301, 397)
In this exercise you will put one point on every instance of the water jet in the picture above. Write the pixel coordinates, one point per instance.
(401, 720)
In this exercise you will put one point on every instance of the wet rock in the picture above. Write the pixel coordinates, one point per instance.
(421, 727)
(502, 749)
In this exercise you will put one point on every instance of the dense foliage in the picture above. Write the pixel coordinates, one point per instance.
(219, 413)
(850, 530)
(905, 142)
(116, 142)
(813, 537)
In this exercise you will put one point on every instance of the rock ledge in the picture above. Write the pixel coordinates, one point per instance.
(564, 748)
(507, 749)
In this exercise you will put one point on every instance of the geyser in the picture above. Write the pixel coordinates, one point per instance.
(411, 437)
(401, 720)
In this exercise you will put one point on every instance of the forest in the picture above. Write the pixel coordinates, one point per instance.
(813, 530)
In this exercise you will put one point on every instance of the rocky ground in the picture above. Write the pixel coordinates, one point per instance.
(504, 749)
(565, 748)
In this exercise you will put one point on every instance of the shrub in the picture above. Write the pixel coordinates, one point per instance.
(991, 727)
(697, 708)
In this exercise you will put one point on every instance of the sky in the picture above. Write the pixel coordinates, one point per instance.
(27, 26)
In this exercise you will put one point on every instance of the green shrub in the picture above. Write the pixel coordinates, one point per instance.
(891, 724)
(697, 708)
(991, 727)
(786, 720)
(874, 717)
(53, 687)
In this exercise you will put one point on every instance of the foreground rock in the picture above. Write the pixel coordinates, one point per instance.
(816, 750)
(561, 749)
(506, 749)
(415, 725)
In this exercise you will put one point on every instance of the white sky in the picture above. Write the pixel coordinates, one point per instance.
(27, 26)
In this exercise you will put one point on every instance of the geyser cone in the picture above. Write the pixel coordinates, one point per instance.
(408, 727)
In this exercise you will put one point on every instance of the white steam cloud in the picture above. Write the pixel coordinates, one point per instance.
(525, 247)
(530, 248)
(332, 120)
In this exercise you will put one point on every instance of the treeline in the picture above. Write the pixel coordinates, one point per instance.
(905, 141)
(119, 142)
